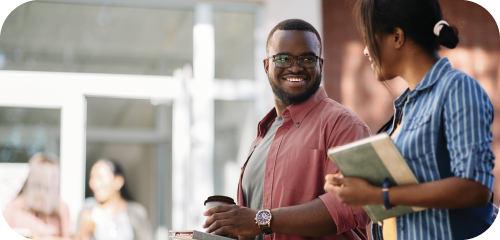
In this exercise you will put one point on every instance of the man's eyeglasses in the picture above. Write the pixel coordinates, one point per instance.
(286, 61)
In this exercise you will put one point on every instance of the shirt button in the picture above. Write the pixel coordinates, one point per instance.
(297, 122)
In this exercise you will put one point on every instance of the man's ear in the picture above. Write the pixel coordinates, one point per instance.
(321, 65)
(266, 66)
(399, 38)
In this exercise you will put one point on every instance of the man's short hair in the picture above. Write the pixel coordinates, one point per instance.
(295, 24)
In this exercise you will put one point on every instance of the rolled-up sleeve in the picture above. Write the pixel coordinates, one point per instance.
(468, 117)
(346, 218)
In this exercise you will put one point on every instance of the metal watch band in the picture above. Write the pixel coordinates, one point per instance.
(385, 194)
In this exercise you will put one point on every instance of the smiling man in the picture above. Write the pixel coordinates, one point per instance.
(280, 194)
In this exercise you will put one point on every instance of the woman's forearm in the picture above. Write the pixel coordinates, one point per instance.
(447, 193)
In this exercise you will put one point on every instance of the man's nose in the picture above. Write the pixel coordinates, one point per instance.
(365, 52)
(295, 66)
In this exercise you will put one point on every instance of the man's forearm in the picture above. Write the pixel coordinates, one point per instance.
(310, 219)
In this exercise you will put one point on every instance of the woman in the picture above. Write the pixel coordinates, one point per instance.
(38, 211)
(442, 126)
(111, 214)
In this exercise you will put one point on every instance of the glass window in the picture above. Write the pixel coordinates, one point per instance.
(44, 36)
(120, 113)
(234, 45)
(26, 131)
(235, 129)
(136, 133)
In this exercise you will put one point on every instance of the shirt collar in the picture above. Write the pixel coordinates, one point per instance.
(297, 112)
(266, 122)
(440, 68)
(402, 98)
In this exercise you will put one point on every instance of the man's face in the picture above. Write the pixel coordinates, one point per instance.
(294, 84)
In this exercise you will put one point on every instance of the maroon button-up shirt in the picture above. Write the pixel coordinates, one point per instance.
(297, 163)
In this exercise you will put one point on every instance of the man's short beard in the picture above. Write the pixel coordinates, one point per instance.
(288, 98)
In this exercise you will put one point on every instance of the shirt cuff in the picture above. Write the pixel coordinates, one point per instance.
(345, 218)
(477, 166)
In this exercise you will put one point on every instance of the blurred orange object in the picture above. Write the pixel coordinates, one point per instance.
(87, 222)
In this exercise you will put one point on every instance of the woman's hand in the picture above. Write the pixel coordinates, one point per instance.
(86, 227)
(353, 192)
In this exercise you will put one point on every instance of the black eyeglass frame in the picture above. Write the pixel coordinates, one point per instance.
(294, 58)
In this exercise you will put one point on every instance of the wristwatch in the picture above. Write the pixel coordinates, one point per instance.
(263, 219)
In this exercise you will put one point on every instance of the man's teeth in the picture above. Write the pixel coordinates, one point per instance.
(295, 79)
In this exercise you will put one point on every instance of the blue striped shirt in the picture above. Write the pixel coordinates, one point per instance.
(446, 132)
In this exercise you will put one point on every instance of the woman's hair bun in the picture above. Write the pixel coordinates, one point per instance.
(448, 36)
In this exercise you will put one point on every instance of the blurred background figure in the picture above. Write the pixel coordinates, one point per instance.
(38, 211)
(111, 213)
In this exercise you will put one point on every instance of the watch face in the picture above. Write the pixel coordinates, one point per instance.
(263, 217)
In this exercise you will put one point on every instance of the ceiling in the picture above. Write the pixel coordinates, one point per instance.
(91, 38)
(45, 36)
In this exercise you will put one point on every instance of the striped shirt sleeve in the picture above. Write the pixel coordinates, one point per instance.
(468, 116)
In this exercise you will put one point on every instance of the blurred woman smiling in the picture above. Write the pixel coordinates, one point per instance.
(111, 214)
(442, 126)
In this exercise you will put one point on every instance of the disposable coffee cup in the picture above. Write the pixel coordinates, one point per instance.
(217, 200)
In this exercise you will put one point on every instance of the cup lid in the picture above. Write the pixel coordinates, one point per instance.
(219, 198)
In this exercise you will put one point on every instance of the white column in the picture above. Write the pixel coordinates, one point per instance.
(163, 172)
(202, 113)
(263, 94)
(73, 117)
(181, 147)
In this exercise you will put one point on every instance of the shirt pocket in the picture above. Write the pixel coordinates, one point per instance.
(417, 122)
(418, 135)
(304, 171)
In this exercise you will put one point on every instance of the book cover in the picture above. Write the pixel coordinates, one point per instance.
(196, 235)
(373, 159)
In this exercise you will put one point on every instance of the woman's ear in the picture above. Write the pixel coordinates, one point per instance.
(399, 38)
(118, 182)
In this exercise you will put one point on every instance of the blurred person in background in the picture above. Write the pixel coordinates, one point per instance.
(111, 213)
(38, 211)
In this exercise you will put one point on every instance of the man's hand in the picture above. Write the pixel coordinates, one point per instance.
(232, 220)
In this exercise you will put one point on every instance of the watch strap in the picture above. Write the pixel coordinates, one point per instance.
(266, 229)
(385, 194)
